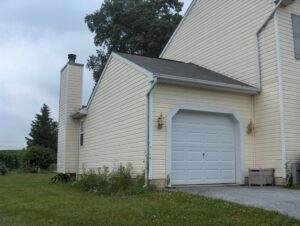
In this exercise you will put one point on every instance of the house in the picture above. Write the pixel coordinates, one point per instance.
(223, 97)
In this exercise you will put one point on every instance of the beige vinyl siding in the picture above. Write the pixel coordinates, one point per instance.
(266, 106)
(291, 81)
(61, 124)
(220, 35)
(73, 105)
(166, 97)
(115, 127)
(70, 102)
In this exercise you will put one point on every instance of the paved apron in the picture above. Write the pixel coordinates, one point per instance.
(285, 201)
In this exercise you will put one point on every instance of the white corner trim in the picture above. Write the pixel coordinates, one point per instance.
(281, 93)
(135, 66)
(150, 135)
(178, 27)
(206, 108)
(66, 115)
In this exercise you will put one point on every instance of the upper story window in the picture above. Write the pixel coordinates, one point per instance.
(296, 30)
(81, 133)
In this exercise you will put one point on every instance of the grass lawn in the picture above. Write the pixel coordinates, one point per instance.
(28, 199)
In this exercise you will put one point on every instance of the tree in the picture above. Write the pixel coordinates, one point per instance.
(38, 156)
(43, 131)
(131, 26)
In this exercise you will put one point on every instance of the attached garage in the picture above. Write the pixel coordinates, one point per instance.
(180, 123)
(204, 147)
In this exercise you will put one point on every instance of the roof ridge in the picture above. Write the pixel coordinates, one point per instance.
(157, 58)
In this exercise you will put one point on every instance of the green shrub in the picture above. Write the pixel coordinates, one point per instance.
(118, 181)
(36, 157)
(32, 169)
(12, 159)
(61, 178)
(3, 168)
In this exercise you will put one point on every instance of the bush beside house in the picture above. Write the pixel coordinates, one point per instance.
(119, 181)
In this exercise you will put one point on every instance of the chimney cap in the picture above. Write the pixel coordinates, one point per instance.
(72, 57)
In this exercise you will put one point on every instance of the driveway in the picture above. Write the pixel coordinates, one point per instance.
(283, 200)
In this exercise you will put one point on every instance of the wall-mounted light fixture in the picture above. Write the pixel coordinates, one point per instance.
(160, 121)
(250, 127)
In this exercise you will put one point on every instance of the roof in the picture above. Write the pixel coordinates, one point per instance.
(169, 69)
(174, 72)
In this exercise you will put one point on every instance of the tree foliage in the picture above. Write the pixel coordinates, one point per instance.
(131, 26)
(38, 156)
(43, 131)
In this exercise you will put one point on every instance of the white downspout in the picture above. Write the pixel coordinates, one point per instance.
(260, 29)
(279, 68)
(281, 91)
(154, 82)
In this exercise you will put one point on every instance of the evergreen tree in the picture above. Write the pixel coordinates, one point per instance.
(131, 26)
(43, 131)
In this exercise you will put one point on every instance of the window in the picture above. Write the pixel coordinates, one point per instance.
(81, 133)
(296, 30)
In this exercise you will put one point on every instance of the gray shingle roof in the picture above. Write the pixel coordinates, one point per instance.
(183, 70)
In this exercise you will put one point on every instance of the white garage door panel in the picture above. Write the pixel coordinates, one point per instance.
(203, 148)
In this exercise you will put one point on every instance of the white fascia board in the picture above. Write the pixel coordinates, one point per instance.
(125, 61)
(144, 71)
(178, 27)
(98, 83)
(207, 84)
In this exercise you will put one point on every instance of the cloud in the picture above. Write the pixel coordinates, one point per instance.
(36, 37)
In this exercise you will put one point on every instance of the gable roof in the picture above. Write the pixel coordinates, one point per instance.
(175, 72)
(165, 69)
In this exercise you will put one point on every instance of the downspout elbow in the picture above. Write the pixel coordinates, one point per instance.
(258, 61)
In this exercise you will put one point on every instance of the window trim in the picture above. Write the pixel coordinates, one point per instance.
(297, 55)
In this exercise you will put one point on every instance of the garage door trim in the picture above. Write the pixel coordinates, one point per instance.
(212, 109)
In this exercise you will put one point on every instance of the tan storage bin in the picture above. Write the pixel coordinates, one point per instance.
(261, 177)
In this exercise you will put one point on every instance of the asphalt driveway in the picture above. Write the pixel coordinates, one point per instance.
(285, 201)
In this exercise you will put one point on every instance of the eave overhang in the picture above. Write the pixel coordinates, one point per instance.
(197, 83)
(79, 114)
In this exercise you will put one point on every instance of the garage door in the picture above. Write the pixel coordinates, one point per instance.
(203, 148)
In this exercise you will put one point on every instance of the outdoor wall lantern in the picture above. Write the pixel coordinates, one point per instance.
(250, 127)
(160, 121)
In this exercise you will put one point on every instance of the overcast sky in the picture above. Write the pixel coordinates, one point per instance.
(35, 38)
